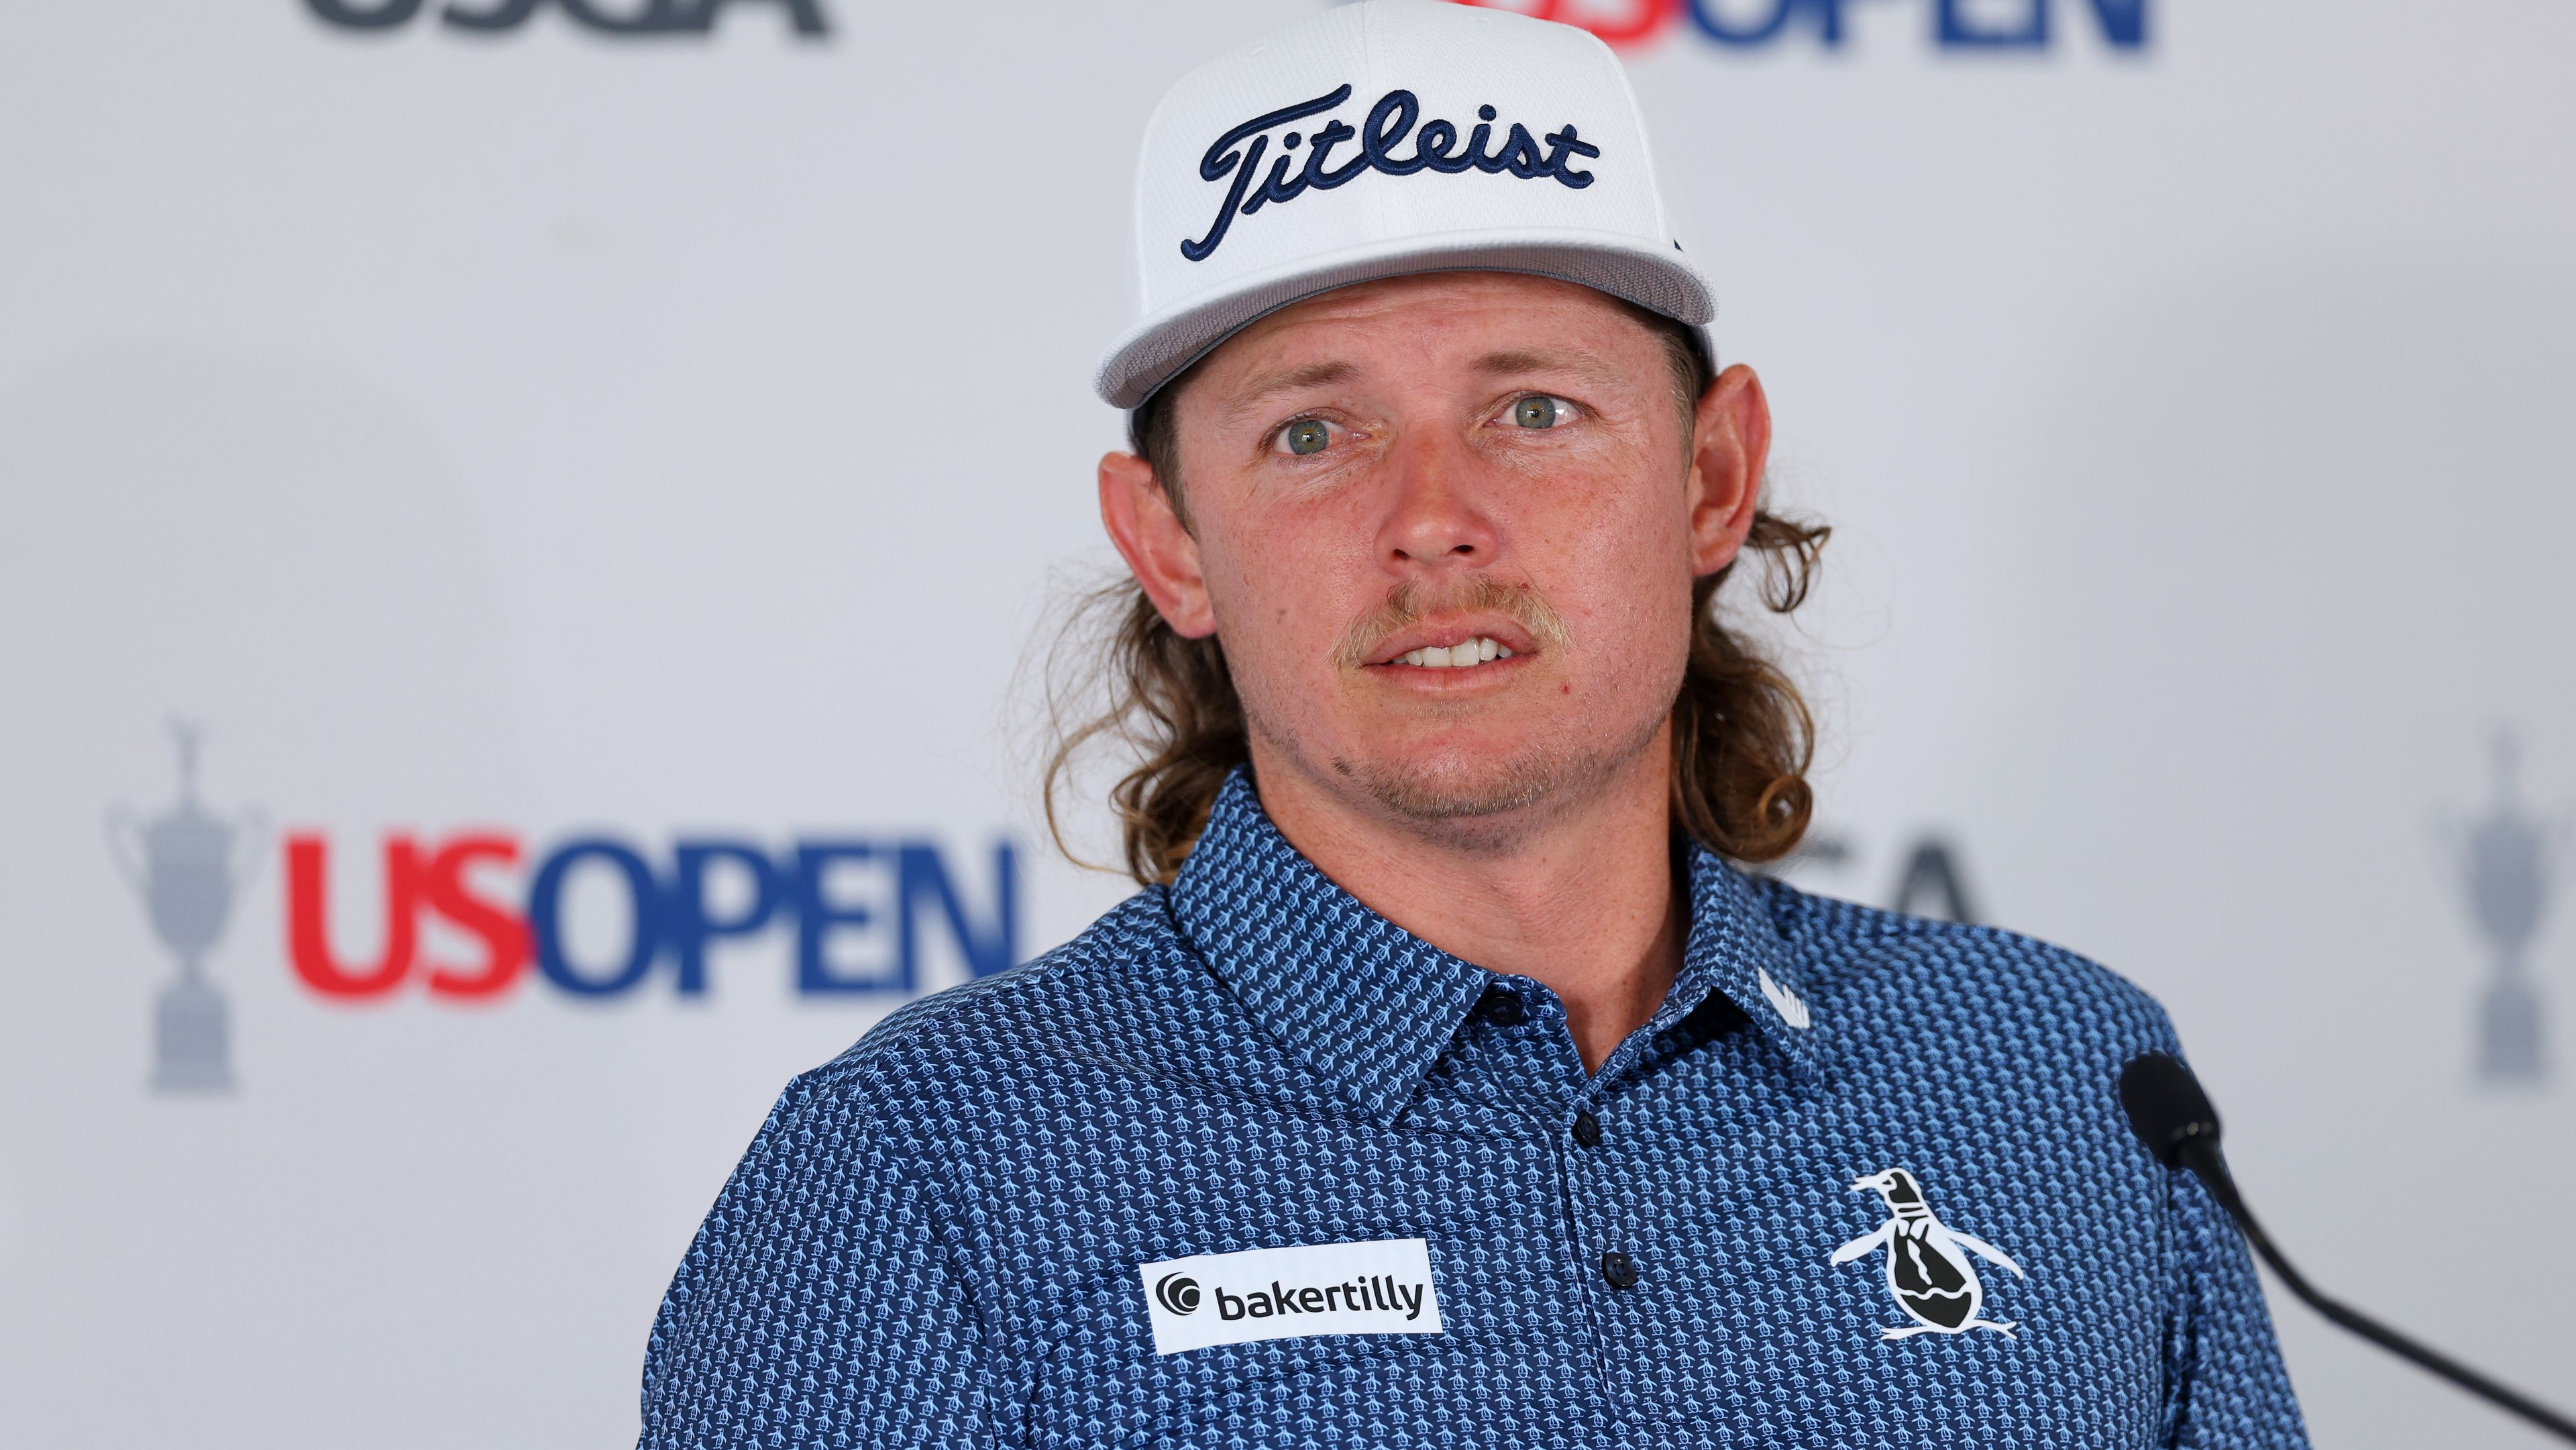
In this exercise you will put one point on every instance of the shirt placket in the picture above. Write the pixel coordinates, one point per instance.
(1516, 1064)
(1528, 1054)
(1605, 1170)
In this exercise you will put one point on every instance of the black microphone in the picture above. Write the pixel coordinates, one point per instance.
(2173, 1117)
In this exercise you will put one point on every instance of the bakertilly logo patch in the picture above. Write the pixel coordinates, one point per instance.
(1378, 1287)
(1437, 146)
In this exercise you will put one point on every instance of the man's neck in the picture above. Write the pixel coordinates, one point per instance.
(1581, 899)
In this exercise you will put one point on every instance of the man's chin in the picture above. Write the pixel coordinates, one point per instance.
(1435, 792)
(1472, 789)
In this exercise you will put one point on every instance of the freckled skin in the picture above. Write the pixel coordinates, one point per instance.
(1516, 809)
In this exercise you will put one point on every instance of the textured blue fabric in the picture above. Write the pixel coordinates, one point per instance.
(935, 1238)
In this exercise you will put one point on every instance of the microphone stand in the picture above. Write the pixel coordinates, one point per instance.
(2201, 1155)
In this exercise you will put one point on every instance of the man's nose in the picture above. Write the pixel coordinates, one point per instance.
(1435, 516)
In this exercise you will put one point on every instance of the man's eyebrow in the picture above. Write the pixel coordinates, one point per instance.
(1498, 364)
(1270, 385)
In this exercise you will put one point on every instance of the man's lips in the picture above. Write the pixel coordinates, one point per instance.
(1511, 639)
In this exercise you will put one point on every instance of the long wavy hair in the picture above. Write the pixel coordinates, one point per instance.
(1743, 738)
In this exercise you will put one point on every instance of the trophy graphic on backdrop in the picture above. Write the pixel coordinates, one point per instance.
(188, 865)
(2505, 861)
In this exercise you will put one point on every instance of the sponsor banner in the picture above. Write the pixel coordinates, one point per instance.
(816, 892)
(657, 18)
(1955, 25)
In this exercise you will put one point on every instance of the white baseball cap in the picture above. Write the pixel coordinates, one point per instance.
(1386, 138)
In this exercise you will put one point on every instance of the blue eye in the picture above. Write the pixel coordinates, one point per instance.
(1306, 435)
(1542, 412)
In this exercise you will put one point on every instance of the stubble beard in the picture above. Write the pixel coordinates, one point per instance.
(1472, 802)
(1487, 806)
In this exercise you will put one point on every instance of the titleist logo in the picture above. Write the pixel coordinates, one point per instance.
(1437, 146)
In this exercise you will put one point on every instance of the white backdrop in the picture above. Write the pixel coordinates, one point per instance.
(559, 434)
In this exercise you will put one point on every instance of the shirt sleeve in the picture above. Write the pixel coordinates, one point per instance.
(2226, 1387)
(818, 1305)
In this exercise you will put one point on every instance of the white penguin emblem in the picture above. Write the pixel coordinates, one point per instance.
(1932, 1280)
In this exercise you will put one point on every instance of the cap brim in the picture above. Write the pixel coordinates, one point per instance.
(1155, 351)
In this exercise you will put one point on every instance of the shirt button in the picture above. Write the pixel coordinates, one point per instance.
(1502, 1007)
(1619, 1269)
(1587, 1130)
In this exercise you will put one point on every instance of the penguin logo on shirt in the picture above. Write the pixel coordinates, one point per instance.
(1927, 1262)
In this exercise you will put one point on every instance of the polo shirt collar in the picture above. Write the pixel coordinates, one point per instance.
(1734, 949)
(1365, 1004)
(1369, 1007)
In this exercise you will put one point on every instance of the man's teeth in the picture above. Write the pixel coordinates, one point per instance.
(1441, 657)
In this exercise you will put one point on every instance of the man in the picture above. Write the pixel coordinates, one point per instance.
(1448, 1086)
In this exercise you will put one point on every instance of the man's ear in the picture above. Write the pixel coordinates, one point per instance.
(1730, 443)
(1157, 547)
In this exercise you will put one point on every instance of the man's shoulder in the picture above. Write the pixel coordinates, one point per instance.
(1887, 969)
(1127, 988)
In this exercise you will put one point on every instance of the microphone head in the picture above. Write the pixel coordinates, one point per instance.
(2167, 1109)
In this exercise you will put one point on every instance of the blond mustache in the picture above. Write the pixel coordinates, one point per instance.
(1481, 593)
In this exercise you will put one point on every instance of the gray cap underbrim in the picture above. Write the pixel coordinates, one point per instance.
(1159, 349)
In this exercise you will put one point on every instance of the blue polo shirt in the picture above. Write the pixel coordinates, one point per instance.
(1862, 1181)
